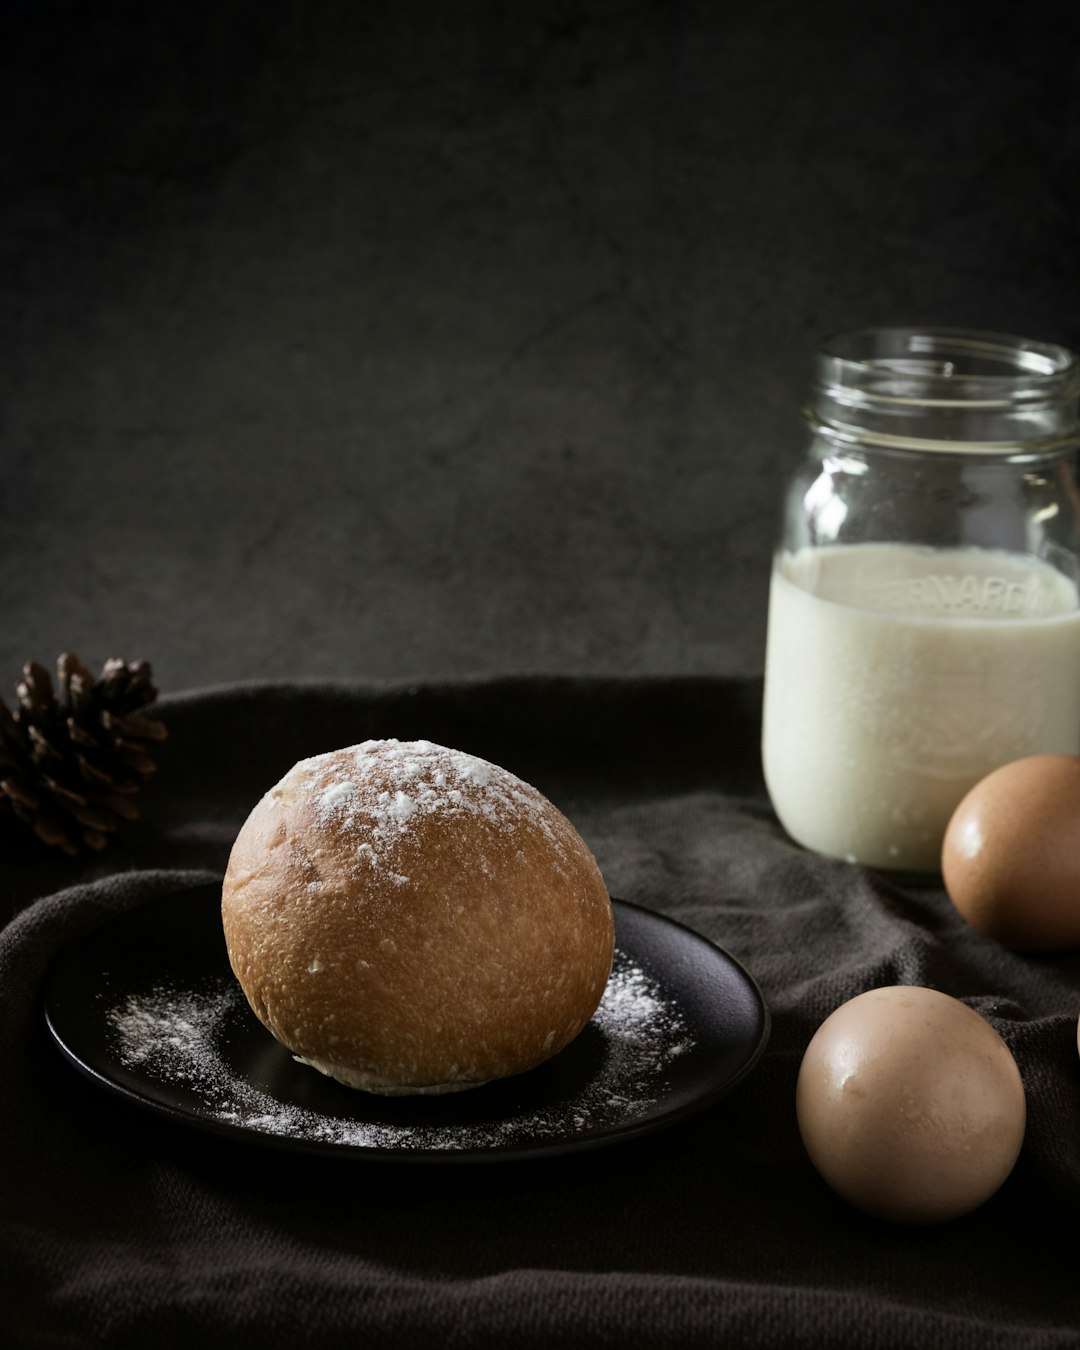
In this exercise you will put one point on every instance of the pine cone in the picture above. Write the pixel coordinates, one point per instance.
(71, 762)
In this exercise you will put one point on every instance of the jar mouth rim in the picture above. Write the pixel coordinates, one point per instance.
(947, 365)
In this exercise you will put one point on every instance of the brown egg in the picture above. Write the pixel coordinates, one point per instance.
(910, 1105)
(1011, 854)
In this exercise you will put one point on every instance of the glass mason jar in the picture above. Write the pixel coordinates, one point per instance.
(924, 615)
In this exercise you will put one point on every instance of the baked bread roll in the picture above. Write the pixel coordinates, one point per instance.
(409, 919)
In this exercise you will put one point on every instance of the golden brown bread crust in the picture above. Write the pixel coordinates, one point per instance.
(408, 918)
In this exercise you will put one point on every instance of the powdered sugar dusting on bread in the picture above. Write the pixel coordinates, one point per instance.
(380, 791)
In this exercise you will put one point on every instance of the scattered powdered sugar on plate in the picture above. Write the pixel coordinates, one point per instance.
(180, 1035)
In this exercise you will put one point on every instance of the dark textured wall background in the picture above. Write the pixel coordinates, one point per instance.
(418, 339)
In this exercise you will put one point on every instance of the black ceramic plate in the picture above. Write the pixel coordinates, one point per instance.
(147, 1007)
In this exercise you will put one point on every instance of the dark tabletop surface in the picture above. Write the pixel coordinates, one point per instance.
(119, 1228)
(432, 369)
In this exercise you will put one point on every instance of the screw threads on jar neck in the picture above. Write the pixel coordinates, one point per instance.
(947, 389)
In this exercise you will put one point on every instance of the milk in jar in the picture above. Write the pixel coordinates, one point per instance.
(897, 676)
(924, 622)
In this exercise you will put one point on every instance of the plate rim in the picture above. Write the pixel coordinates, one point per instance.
(529, 1150)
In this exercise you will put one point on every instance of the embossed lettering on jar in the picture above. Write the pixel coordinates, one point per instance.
(924, 617)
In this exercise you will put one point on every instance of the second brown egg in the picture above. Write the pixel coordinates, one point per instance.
(1011, 854)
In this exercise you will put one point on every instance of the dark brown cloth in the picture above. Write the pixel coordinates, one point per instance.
(121, 1229)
